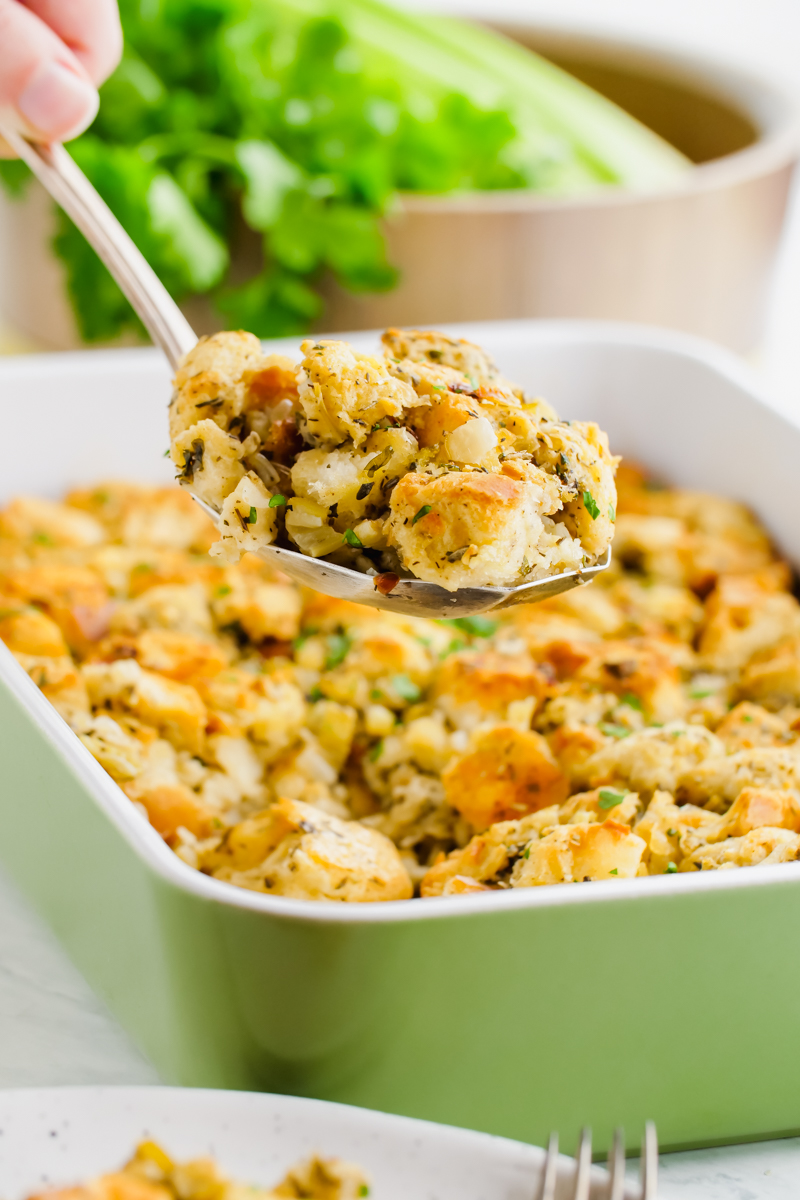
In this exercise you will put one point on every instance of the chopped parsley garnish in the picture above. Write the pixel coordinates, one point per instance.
(476, 626)
(276, 501)
(338, 646)
(747, 717)
(526, 567)
(376, 751)
(252, 516)
(610, 797)
(423, 512)
(590, 504)
(43, 539)
(353, 539)
(406, 688)
(363, 1189)
(672, 833)
(315, 694)
(614, 871)
(612, 514)
(167, 453)
(632, 701)
(223, 590)
(376, 694)
(615, 731)
(143, 568)
(700, 693)
(672, 868)
(526, 852)
(453, 648)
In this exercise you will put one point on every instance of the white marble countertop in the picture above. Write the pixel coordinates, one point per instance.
(53, 1030)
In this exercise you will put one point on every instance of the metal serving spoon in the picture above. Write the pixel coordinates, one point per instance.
(170, 330)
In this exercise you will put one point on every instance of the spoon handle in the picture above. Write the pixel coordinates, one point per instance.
(70, 188)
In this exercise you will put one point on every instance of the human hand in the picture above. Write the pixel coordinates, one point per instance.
(53, 56)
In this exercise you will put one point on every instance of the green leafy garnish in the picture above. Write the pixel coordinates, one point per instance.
(631, 701)
(612, 514)
(338, 646)
(353, 539)
(302, 121)
(614, 871)
(423, 512)
(671, 868)
(615, 731)
(223, 590)
(315, 694)
(43, 539)
(253, 516)
(406, 688)
(453, 648)
(701, 693)
(590, 504)
(610, 797)
(376, 751)
(672, 833)
(363, 1189)
(477, 626)
(276, 501)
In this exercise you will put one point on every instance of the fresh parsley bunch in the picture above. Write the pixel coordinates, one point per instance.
(279, 132)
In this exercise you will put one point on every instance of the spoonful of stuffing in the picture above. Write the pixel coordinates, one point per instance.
(421, 481)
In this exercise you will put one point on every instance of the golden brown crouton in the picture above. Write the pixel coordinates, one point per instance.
(580, 853)
(210, 382)
(506, 773)
(310, 855)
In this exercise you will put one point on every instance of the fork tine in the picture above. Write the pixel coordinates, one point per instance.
(550, 1174)
(616, 1166)
(583, 1180)
(649, 1162)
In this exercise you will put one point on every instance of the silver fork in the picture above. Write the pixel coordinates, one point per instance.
(616, 1167)
(170, 330)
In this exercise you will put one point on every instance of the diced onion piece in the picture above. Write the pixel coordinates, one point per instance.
(471, 442)
(305, 514)
(307, 526)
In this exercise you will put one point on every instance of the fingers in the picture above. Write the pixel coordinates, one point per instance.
(44, 89)
(90, 28)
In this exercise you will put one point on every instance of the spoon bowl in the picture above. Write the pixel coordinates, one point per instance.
(414, 597)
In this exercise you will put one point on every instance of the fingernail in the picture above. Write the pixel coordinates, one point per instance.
(58, 102)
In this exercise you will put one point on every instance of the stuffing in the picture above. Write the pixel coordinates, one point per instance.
(772, 676)
(505, 773)
(163, 518)
(760, 846)
(210, 460)
(746, 614)
(425, 463)
(247, 519)
(31, 519)
(652, 759)
(716, 782)
(152, 1175)
(579, 853)
(211, 382)
(295, 849)
(297, 744)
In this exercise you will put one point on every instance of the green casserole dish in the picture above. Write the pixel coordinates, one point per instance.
(516, 1012)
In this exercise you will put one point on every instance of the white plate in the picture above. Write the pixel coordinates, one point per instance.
(59, 1136)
